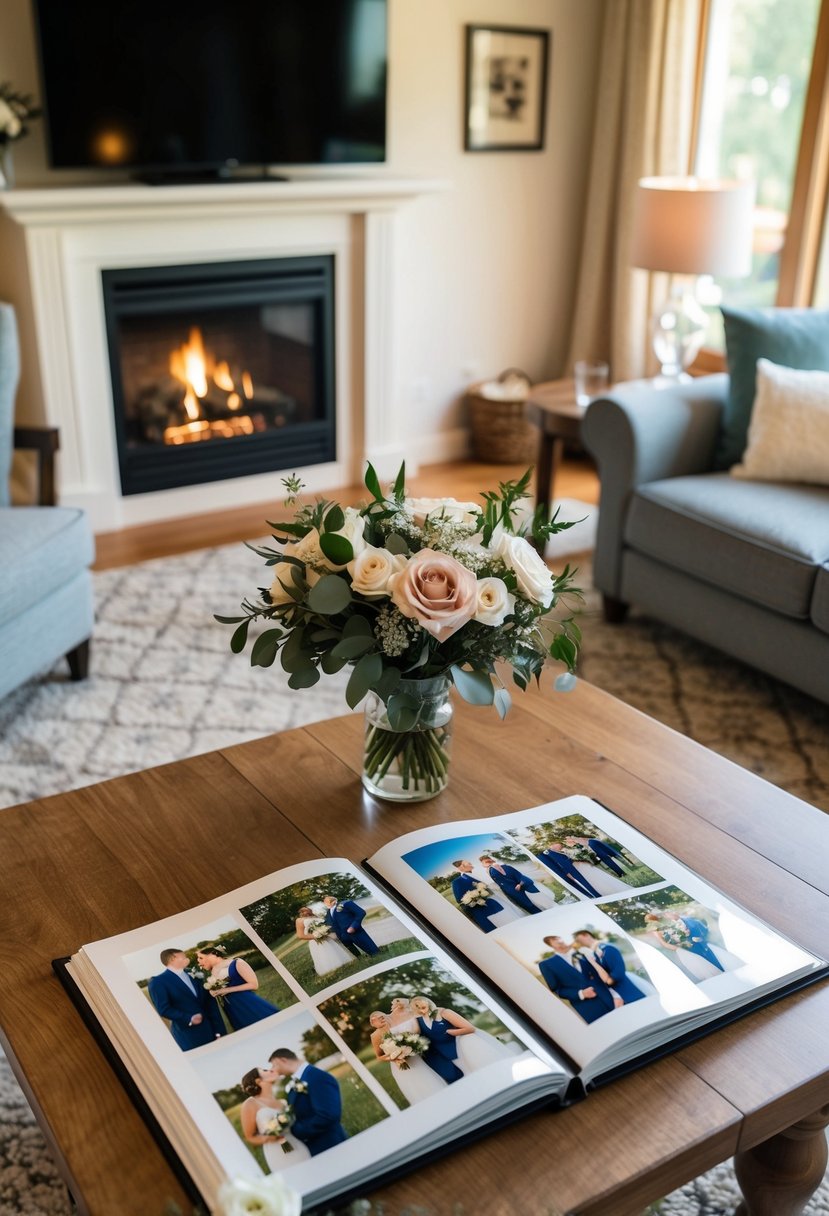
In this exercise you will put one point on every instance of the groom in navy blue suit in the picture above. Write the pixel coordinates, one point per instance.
(610, 958)
(346, 919)
(699, 933)
(512, 882)
(574, 980)
(605, 852)
(479, 914)
(192, 1012)
(564, 867)
(315, 1099)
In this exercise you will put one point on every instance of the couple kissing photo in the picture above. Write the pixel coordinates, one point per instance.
(327, 928)
(289, 1093)
(418, 1031)
(210, 987)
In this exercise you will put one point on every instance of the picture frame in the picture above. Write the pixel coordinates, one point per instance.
(506, 88)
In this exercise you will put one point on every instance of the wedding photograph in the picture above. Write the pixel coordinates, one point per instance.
(489, 878)
(680, 930)
(209, 982)
(586, 859)
(579, 955)
(417, 1030)
(289, 1092)
(327, 928)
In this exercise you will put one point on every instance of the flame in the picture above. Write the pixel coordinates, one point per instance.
(247, 385)
(222, 377)
(191, 366)
(234, 401)
(188, 364)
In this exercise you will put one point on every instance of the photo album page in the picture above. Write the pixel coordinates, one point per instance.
(609, 945)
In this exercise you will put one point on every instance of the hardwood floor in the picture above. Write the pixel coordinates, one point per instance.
(576, 478)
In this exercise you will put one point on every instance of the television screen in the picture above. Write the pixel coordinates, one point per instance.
(204, 84)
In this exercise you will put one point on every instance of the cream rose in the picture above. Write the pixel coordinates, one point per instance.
(306, 550)
(437, 591)
(10, 124)
(270, 1196)
(352, 531)
(495, 603)
(532, 575)
(371, 570)
(449, 508)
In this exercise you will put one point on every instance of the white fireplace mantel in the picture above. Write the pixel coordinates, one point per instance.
(54, 243)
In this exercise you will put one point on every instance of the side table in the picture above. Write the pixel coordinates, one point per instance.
(552, 408)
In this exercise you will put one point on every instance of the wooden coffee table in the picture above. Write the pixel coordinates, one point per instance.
(553, 409)
(100, 860)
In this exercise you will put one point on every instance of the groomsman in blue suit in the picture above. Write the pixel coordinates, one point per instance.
(606, 853)
(564, 867)
(611, 960)
(512, 882)
(443, 1049)
(346, 919)
(698, 930)
(479, 914)
(192, 1012)
(314, 1097)
(574, 980)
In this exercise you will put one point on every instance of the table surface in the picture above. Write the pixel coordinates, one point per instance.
(90, 863)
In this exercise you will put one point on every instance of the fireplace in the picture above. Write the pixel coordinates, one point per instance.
(220, 370)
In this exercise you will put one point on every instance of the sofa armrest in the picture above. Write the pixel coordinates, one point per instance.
(639, 434)
(45, 441)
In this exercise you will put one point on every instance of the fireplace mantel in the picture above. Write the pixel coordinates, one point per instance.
(54, 243)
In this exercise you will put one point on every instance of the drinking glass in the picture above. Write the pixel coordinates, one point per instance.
(591, 379)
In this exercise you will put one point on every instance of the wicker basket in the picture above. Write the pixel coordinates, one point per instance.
(499, 432)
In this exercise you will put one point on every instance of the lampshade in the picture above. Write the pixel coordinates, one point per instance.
(685, 225)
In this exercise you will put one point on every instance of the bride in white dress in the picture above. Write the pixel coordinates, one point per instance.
(672, 937)
(256, 1112)
(476, 1048)
(418, 1081)
(600, 880)
(326, 955)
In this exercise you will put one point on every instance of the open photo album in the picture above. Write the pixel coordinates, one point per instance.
(340, 1022)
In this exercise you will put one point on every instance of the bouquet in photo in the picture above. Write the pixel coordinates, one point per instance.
(281, 1123)
(400, 1047)
(318, 929)
(477, 896)
(16, 110)
(672, 933)
(216, 983)
(406, 590)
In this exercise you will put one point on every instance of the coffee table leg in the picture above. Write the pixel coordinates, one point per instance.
(549, 456)
(779, 1176)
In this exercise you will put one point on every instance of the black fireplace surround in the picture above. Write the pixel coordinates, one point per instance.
(267, 324)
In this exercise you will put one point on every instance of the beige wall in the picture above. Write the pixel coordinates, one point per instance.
(486, 271)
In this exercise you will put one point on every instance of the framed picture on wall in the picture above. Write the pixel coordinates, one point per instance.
(506, 88)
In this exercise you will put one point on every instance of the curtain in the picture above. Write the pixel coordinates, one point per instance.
(643, 127)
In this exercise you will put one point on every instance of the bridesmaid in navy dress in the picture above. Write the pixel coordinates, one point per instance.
(241, 1004)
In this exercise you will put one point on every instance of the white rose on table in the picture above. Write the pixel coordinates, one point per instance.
(495, 602)
(448, 508)
(306, 550)
(534, 578)
(269, 1196)
(10, 124)
(352, 531)
(371, 570)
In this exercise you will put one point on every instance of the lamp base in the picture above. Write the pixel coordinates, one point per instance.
(678, 331)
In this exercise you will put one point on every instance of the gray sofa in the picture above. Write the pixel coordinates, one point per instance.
(741, 565)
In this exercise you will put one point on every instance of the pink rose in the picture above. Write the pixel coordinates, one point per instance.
(437, 591)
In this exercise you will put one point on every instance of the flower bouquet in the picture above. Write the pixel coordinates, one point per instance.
(399, 1047)
(318, 929)
(477, 896)
(16, 110)
(416, 596)
(281, 1123)
(216, 983)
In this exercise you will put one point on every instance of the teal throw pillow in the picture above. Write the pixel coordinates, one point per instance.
(791, 337)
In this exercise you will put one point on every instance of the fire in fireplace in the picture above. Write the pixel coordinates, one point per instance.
(240, 352)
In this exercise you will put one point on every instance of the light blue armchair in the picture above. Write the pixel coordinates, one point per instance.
(45, 551)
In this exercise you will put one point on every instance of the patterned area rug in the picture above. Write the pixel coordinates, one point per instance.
(165, 686)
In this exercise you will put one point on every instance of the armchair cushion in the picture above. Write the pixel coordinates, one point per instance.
(793, 337)
(760, 541)
(40, 551)
(820, 603)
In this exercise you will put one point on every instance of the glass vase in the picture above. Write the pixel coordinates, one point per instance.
(411, 764)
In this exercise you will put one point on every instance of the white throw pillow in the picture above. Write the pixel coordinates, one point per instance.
(788, 436)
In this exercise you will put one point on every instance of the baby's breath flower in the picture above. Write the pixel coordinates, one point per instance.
(394, 631)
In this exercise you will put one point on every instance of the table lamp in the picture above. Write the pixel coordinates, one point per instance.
(688, 226)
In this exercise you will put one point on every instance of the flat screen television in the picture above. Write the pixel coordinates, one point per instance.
(180, 88)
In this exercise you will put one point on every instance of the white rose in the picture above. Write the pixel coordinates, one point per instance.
(269, 1196)
(352, 531)
(448, 508)
(305, 550)
(495, 603)
(371, 570)
(533, 576)
(10, 124)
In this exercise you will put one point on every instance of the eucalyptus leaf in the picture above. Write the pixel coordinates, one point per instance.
(265, 648)
(304, 677)
(474, 686)
(336, 548)
(324, 635)
(366, 673)
(228, 620)
(330, 664)
(387, 683)
(357, 627)
(240, 637)
(352, 648)
(334, 520)
(503, 701)
(330, 595)
(403, 711)
(395, 543)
